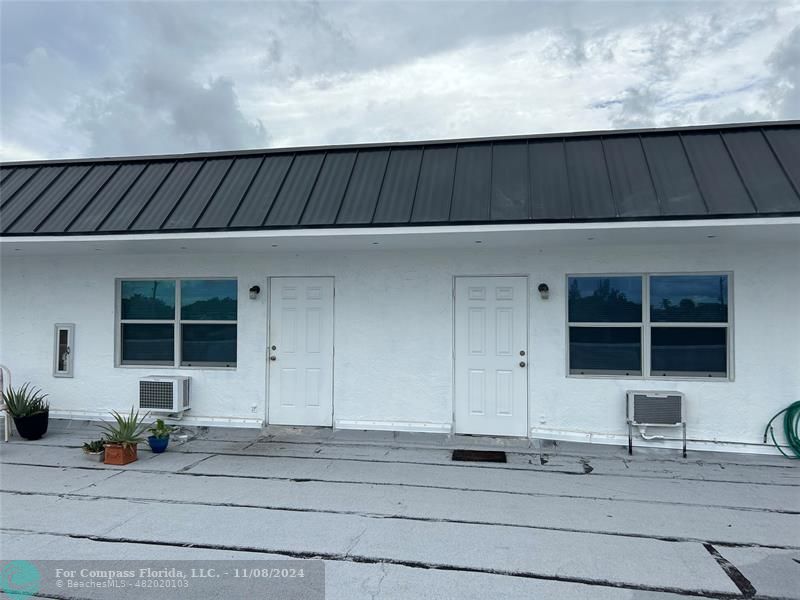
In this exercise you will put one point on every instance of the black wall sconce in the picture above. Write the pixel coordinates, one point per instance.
(544, 291)
(254, 292)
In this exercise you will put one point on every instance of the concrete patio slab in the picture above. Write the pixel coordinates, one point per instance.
(497, 549)
(345, 580)
(394, 520)
(614, 517)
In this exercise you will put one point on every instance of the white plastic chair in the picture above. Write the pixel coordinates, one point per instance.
(6, 421)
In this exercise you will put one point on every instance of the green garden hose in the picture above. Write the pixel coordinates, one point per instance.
(791, 429)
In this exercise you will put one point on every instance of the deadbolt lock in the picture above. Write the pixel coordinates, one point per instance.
(522, 352)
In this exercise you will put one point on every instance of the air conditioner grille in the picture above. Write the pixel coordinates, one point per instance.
(156, 395)
(657, 410)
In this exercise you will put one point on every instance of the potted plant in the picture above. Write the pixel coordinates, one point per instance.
(95, 451)
(122, 436)
(160, 436)
(30, 410)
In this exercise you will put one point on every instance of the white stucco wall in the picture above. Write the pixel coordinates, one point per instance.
(394, 331)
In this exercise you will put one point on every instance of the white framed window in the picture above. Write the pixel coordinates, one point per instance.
(188, 322)
(672, 325)
(63, 349)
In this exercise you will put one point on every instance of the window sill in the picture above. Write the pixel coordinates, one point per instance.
(652, 378)
(175, 367)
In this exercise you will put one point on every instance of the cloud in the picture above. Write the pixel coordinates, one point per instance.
(785, 64)
(117, 78)
(160, 109)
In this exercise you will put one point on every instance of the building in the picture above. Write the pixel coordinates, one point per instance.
(508, 286)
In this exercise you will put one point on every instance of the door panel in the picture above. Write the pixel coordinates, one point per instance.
(301, 331)
(491, 329)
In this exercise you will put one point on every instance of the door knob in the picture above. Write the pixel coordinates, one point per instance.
(273, 358)
(522, 363)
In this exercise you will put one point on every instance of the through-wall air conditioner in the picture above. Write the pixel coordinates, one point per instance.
(164, 395)
(655, 409)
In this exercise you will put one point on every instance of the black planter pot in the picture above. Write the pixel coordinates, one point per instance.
(34, 426)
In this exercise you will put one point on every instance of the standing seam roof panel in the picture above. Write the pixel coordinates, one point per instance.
(630, 178)
(510, 182)
(328, 193)
(103, 203)
(259, 198)
(12, 184)
(674, 181)
(472, 188)
(399, 186)
(295, 191)
(59, 219)
(435, 186)
(28, 195)
(763, 175)
(786, 144)
(590, 187)
(550, 195)
(49, 200)
(361, 198)
(196, 198)
(721, 186)
(168, 195)
(230, 194)
(141, 191)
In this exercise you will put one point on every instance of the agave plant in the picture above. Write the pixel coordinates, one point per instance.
(25, 401)
(127, 429)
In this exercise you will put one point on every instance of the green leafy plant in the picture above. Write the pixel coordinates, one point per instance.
(25, 401)
(94, 446)
(126, 430)
(160, 430)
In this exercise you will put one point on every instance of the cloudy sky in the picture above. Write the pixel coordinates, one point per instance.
(116, 78)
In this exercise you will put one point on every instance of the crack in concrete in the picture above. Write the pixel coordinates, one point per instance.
(354, 542)
(93, 484)
(338, 557)
(374, 595)
(402, 517)
(192, 465)
(423, 486)
(735, 575)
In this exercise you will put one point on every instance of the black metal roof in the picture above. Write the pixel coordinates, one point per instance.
(740, 170)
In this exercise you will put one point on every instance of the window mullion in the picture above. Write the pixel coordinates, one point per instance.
(177, 324)
(646, 338)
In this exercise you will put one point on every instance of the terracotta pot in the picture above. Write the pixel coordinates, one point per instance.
(120, 454)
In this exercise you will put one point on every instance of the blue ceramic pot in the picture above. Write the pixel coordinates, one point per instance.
(158, 445)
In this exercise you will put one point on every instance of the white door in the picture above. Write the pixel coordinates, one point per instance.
(491, 355)
(301, 351)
